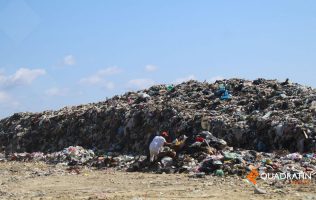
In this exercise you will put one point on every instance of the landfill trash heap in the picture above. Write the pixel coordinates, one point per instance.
(261, 115)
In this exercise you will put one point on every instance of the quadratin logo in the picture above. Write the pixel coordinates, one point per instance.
(298, 178)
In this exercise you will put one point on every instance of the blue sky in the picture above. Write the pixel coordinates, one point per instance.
(59, 53)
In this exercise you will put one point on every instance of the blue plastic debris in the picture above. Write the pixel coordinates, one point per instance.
(226, 95)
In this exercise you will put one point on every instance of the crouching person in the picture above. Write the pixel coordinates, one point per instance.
(156, 145)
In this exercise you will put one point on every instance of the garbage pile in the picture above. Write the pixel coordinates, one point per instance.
(69, 156)
(198, 160)
(262, 115)
(209, 155)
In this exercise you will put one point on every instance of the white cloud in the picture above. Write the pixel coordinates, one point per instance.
(54, 91)
(141, 83)
(109, 85)
(184, 79)
(7, 101)
(215, 78)
(92, 80)
(69, 60)
(4, 97)
(99, 78)
(26, 76)
(150, 68)
(109, 71)
(22, 76)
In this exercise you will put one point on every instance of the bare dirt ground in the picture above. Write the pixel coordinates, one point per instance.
(19, 180)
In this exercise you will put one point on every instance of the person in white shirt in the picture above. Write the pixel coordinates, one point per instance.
(156, 145)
